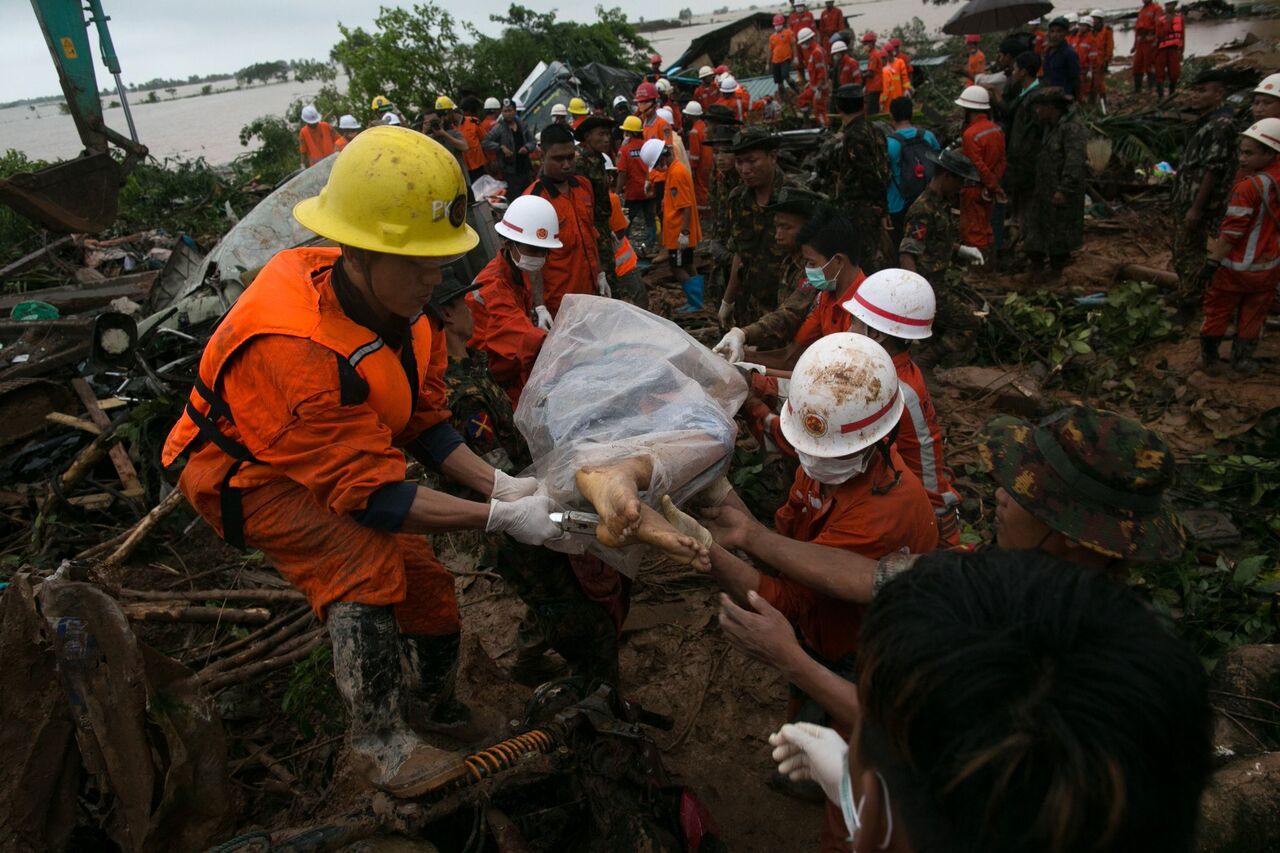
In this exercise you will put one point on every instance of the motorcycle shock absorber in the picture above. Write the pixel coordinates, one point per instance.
(505, 754)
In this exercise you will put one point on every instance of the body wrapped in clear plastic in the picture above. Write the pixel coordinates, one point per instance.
(614, 382)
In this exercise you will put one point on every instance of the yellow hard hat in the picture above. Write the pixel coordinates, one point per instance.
(632, 124)
(393, 190)
(444, 102)
(380, 103)
(578, 107)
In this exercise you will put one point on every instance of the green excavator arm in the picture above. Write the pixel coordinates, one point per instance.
(81, 194)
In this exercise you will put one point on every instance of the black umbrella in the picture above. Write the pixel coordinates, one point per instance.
(994, 16)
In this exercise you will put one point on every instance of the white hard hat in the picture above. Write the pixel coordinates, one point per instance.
(974, 98)
(608, 163)
(1072, 18)
(1096, 13)
(348, 122)
(651, 151)
(559, 110)
(805, 33)
(728, 84)
(664, 85)
(621, 99)
(390, 118)
(693, 108)
(1270, 85)
(706, 71)
(666, 115)
(838, 47)
(492, 104)
(531, 220)
(1266, 131)
(897, 302)
(844, 397)
(310, 114)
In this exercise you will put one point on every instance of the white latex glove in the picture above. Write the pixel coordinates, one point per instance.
(805, 751)
(508, 488)
(750, 367)
(682, 242)
(528, 520)
(725, 314)
(602, 285)
(731, 345)
(542, 317)
(970, 254)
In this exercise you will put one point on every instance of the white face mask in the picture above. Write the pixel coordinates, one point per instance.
(833, 472)
(528, 263)
(853, 811)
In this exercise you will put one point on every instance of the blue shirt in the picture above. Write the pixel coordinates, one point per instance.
(1062, 67)
(896, 201)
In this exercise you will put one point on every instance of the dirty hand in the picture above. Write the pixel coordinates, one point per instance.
(759, 630)
(731, 346)
(805, 751)
(971, 254)
(1058, 200)
(682, 242)
(508, 488)
(527, 520)
(729, 526)
(602, 285)
(542, 317)
(725, 314)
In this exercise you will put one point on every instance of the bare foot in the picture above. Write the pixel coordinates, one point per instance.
(614, 492)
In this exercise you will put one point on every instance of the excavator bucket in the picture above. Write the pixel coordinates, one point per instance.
(79, 195)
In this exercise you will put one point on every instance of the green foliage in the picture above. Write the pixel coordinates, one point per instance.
(278, 154)
(305, 70)
(263, 71)
(18, 235)
(1142, 137)
(311, 698)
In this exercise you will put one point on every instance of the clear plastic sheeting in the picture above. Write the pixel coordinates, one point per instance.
(613, 382)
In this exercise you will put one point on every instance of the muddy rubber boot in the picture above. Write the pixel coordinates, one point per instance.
(366, 664)
(1242, 356)
(1208, 360)
(431, 665)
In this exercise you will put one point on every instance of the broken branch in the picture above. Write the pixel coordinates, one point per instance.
(146, 611)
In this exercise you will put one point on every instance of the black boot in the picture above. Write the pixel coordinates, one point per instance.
(1160, 91)
(431, 666)
(1137, 83)
(366, 664)
(1242, 356)
(1208, 360)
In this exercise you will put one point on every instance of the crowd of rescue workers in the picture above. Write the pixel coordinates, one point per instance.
(945, 697)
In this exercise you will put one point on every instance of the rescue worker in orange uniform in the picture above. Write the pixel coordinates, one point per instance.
(1104, 42)
(852, 493)
(891, 88)
(983, 143)
(308, 394)
(1087, 53)
(578, 112)
(471, 130)
(817, 88)
(831, 22)
(895, 308)
(1171, 44)
(631, 287)
(1243, 263)
(681, 230)
(977, 62)
(729, 97)
(633, 177)
(1144, 44)
(801, 18)
(847, 71)
(901, 63)
(655, 127)
(874, 74)
(706, 91)
(316, 138)
(782, 52)
(492, 108)
(699, 153)
(575, 266)
(507, 324)
(348, 128)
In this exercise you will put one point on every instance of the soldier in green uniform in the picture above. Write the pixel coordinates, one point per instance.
(931, 238)
(1203, 181)
(724, 177)
(1083, 484)
(560, 615)
(860, 175)
(757, 258)
(594, 138)
(1055, 212)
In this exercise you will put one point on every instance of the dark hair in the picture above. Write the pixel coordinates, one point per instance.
(1029, 61)
(847, 104)
(830, 233)
(900, 108)
(1013, 701)
(556, 134)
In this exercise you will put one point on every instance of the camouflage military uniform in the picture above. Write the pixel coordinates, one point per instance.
(1210, 150)
(560, 615)
(716, 230)
(751, 238)
(795, 300)
(931, 235)
(1056, 231)
(861, 181)
(591, 167)
(1115, 508)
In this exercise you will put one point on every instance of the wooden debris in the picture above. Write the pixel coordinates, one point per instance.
(73, 422)
(263, 596)
(119, 457)
(139, 532)
(160, 611)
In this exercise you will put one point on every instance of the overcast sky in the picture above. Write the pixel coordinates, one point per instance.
(178, 38)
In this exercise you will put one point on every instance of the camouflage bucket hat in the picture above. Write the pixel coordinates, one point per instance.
(753, 139)
(1092, 475)
(797, 201)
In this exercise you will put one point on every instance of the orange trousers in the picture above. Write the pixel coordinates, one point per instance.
(330, 558)
(975, 219)
(1168, 64)
(1220, 306)
(1144, 57)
